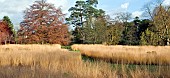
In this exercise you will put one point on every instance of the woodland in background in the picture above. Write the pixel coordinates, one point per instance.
(45, 24)
(93, 26)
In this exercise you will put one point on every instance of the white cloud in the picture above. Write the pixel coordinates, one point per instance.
(2, 1)
(166, 2)
(14, 9)
(137, 13)
(125, 5)
(3, 14)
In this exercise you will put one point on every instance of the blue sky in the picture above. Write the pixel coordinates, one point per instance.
(113, 6)
(15, 8)
(133, 5)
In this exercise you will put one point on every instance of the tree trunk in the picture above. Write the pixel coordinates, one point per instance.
(167, 42)
(167, 34)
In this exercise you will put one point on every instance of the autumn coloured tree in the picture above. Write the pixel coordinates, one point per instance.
(10, 24)
(6, 35)
(43, 23)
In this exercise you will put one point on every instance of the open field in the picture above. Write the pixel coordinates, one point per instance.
(50, 61)
(152, 55)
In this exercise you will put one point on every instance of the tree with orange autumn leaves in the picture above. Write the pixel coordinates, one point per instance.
(43, 24)
(6, 35)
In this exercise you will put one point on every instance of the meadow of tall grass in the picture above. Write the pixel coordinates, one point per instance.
(50, 61)
(152, 55)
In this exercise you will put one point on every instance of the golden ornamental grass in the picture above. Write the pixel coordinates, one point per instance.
(31, 54)
(45, 61)
(50, 61)
(127, 54)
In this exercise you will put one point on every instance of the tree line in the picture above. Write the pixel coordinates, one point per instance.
(93, 26)
(45, 24)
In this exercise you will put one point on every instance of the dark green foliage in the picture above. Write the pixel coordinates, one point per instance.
(132, 35)
(10, 24)
(82, 17)
(114, 33)
(96, 33)
(148, 35)
(144, 24)
(77, 35)
(149, 38)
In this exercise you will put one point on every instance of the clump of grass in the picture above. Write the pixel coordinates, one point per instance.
(66, 47)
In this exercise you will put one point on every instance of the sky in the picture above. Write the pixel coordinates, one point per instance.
(14, 8)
